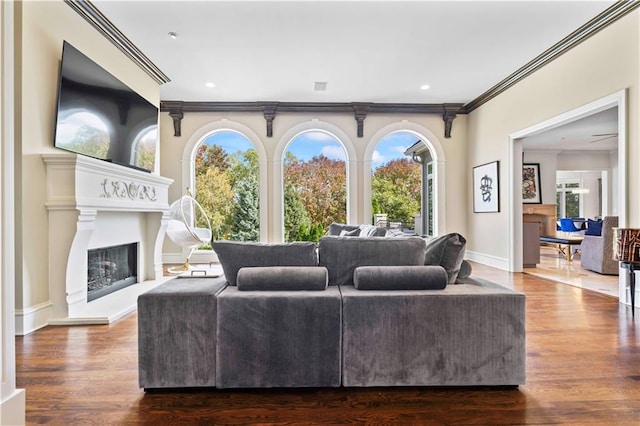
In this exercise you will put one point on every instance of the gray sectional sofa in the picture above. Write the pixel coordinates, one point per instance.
(345, 312)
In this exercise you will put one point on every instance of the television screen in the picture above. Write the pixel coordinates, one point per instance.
(101, 117)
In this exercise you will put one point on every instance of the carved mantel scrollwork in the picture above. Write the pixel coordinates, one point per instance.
(131, 190)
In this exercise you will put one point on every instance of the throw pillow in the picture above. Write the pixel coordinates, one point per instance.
(367, 230)
(446, 251)
(342, 255)
(234, 255)
(354, 233)
(337, 228)
(400, 278)
(465, 269)
(284, 278)
(594, 227)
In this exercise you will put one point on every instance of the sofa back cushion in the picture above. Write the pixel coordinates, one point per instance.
(342, 255)
(446, 251)
(400, 278)
(282, 278)
(234, 255)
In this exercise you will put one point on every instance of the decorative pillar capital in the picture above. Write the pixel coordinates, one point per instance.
(177, 122)
(450, 113)
(269, 111)
(360, 110)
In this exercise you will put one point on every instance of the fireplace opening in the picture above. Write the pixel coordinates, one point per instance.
(111, 269)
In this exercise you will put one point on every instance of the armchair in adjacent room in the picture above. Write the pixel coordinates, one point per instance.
(597, 250)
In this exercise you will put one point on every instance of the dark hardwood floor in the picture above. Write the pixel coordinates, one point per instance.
(583, 367)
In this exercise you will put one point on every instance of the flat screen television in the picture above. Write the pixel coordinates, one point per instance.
(101, 117)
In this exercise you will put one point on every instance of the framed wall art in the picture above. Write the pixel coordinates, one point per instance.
(531, 184)
(486, 188)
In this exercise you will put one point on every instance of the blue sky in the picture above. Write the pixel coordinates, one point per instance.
(308, 144)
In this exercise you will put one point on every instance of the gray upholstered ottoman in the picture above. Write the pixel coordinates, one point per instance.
(465, 335)
(278, 338)
(177, 333)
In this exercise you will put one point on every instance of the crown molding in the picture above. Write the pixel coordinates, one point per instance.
(601, 21)
(91, 14)
(177, 109)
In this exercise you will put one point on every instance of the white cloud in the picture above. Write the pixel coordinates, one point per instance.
(399, 148)
(377, 158)
(334, 152)
(318, 137)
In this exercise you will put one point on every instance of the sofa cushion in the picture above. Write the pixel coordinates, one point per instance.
(465, 270)
(446, 251)
(594, 227)
(342, 255)
(234, 255)
(341, 230)
(282, 278)
(336, 229)
(400, 278)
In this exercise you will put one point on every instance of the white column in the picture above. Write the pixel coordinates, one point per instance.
(12, 400)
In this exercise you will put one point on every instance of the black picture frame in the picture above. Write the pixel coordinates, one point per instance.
(486, 188)
(531, 189)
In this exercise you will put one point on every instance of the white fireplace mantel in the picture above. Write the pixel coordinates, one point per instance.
(92, 204)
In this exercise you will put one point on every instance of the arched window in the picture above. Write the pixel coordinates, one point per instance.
(84, 132)
(315, 185)
(227, 185)
(396, 193)
(144, 147)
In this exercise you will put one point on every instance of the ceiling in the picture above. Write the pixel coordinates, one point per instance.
(597, 132)
(366, 51)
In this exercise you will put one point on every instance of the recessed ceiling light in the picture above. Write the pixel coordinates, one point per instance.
(173, 35)
(320, 86)
(210, 84)
(425, 87)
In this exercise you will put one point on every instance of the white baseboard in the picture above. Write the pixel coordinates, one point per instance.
(485, 259)
(32, 318)
(12, 409)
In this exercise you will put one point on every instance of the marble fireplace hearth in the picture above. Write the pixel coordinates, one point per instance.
(93, 204)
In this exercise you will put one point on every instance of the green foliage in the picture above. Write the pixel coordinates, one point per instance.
(227, 188)
(315, 193)
(322, 186)
(214, 193)
(396, 190)
(246, 217)
(312, 233)
(211, 156)
(296, 219)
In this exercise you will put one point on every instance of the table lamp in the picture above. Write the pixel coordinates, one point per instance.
(626, 249)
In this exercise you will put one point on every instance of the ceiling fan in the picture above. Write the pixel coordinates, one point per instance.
(604, 136)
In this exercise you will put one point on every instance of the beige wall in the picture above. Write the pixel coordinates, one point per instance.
(452, 157)
(41, 30)
(602, 65)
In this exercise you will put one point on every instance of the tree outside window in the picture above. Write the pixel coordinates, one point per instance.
(567, 201)
(315, 186)
(227, 186)
(396, 184)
